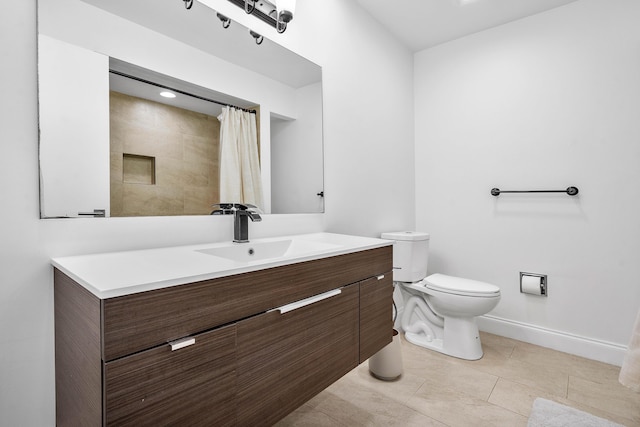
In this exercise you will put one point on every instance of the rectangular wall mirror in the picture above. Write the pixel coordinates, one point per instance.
(110, 145)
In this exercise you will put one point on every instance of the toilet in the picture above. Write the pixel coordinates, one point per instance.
(438, 311)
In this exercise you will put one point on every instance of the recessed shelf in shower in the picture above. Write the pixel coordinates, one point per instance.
(137, 169)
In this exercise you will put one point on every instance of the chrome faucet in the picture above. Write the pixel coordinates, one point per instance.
(241, 215)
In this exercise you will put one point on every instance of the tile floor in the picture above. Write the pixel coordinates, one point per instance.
(497, 390)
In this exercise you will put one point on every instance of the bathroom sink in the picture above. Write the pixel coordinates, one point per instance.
(266, 250)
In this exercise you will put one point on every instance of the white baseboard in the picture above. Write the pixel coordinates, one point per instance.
(568, 343)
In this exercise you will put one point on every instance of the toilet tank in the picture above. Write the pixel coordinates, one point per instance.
(410, 255)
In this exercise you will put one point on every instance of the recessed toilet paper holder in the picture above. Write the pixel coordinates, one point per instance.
(533, 284)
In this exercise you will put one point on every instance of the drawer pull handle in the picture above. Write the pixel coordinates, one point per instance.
(380, 277)
(182, 343)
(308, 301)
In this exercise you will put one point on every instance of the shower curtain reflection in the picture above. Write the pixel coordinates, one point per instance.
(240, 180)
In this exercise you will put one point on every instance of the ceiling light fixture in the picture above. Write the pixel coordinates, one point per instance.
(225, 21)
(285, 9)
(168, 94)
(277, 13)
(249, 6)
(256, 36)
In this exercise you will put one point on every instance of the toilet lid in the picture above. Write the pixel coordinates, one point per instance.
(460, 286)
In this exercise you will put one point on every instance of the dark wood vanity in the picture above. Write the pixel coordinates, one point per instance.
(220, 351)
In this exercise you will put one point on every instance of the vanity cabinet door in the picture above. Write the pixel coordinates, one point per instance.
(376, 314)
(193, 385)
(284, 359)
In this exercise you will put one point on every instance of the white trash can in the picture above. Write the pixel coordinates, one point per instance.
(386, 364)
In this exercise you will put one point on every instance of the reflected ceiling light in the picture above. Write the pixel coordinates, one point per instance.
(225, 21)
(167, 94)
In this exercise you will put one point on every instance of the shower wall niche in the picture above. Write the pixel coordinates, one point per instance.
(164, 159)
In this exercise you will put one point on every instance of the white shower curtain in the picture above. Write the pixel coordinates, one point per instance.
(240, 179)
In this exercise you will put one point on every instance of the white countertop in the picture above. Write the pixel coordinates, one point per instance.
(114, 274)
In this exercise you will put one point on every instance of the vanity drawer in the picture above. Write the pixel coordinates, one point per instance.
(284, 359)
(193, 385)
(136, 322)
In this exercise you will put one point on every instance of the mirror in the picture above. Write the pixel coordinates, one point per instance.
(99, 151)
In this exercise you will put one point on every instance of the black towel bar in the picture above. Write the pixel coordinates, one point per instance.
(571, 191)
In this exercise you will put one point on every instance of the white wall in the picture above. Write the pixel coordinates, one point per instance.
(296, 156)
(368, 163)
(541, 103)
(73, 107)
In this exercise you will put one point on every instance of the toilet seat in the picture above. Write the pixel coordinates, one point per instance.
(458, 286)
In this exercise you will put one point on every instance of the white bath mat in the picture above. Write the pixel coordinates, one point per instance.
(546, 413)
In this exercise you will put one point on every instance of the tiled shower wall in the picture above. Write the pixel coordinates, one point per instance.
(182, 149)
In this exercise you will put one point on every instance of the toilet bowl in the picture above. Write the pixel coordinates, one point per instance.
(437, 312)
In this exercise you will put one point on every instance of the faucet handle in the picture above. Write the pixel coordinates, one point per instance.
(252, 211)
(230, 208)
(253, 208)
(223, 209)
